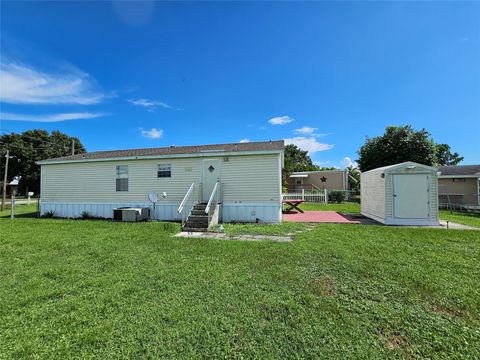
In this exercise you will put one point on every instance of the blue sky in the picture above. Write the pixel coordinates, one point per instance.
(321, 75)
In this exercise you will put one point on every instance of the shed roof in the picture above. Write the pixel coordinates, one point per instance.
(460, 170)
(403, 164)
(261, 146)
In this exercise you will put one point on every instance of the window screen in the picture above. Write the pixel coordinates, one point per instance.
(122, 178)
(164, 170)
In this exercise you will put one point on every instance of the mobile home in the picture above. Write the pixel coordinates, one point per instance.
(459, 187)
(244, 180)
(318, 180)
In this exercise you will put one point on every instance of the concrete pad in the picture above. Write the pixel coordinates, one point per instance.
(223, 236)
(320, 217)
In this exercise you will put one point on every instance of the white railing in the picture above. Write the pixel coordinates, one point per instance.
(213, 202)
(310, 196)
(189, 200)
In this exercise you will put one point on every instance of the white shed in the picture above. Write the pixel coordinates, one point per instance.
(401, 194)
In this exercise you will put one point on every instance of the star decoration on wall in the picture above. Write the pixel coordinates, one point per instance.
(323, 178)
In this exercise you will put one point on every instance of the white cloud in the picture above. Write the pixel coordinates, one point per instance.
(150, 105)
(305, 130)
(309, 144)
(347, 161)
(244, 141)
(322, 163)
(152, 133)
(23, 84)
(280, 120)
(49, 117)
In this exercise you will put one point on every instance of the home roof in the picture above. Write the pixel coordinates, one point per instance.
(316, 171)
(172, 151)
(460, 170)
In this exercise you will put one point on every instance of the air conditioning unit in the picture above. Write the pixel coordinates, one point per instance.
(131, 214)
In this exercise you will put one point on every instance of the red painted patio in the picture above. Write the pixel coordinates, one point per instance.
(319, 217)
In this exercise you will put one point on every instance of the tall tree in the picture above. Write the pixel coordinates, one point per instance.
(353, 178)
(444, 155)
(31, 146)
(297, 159)
(403, 143)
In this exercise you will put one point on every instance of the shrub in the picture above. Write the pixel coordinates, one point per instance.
(85, 215)
(48, 214)
(337, 196)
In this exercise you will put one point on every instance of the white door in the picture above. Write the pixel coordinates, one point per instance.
(410, 196)
(211, 175)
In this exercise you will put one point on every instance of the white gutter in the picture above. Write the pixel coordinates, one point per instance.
(458, 176)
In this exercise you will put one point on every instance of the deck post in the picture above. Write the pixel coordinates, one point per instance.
(303, 194)
(326, 196)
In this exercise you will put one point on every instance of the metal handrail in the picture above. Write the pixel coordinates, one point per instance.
(210, 200)
(187, 195)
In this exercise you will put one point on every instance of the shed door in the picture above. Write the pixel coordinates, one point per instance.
(410, 196)
(211, 174)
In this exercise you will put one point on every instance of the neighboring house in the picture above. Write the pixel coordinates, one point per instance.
(249, 177)
(459, 186)
(318, 180)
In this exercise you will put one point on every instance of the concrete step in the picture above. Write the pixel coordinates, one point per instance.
(189, 229)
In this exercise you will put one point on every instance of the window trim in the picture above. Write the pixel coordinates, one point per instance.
(117, 178)
(164, 171)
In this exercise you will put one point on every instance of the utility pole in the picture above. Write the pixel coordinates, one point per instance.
(4, 190)
(73, 147)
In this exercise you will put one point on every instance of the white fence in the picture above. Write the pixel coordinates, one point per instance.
(310, 196)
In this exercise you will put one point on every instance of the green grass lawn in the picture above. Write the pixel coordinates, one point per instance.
(83, 289)
(347, 207)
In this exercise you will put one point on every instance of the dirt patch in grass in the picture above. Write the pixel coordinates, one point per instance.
(395, 342)
(323, 285)
(447, 310)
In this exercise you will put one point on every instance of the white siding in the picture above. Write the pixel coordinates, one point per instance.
(245, 179)
(252, 180)
(95, 181)
(372, 193)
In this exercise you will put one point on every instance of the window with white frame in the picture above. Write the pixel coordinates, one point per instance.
(122, 178)
(164, 170)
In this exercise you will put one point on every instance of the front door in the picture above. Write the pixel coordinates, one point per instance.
(211, 175)
(410, 197)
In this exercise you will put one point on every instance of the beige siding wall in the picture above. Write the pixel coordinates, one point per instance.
(245, 178)
(335, 180)
(252, 179)
(373, 194)
(465, 190)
